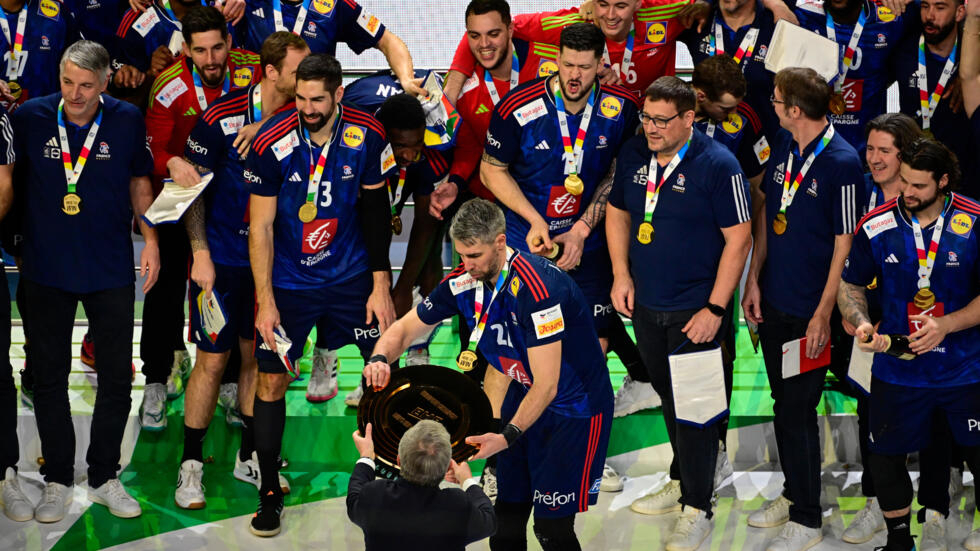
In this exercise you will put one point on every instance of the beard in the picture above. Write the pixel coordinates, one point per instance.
(314, 126)
(922, 205)
(940, 34)
(211, 82)
(582, 92)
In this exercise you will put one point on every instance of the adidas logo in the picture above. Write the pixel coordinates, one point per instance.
(543, 145)
(482, 109)
(53, 142)
(892, 259)
(190, 112)
(259, 13)
(296, 178)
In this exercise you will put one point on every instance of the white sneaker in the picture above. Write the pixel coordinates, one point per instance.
(611, 481)
(353, 397)
(771, 514)
(190, 489)
(54, 500)
(116, 498)
(955, 482)
(248, 471)
(933, 532)
(866, 523)
(723, 467)
(972, 542)
(418, 356)
(153, 411)
(489, 483)
(323, 376)
(634, 396)
(15, 504)
(689, 531)
(179, 372)
(664, 501)
(795, 537)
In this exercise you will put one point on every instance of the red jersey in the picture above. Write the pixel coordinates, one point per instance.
(174, 105)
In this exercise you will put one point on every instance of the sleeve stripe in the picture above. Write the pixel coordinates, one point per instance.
(8, 139)
(849, 207)
(741, 205)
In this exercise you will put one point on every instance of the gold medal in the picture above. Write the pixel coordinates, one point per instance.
(924, 299)
(779, 224)
(71, 205)
(15, 90)
(396, 224)
(837, 104)
(645, 234)
(574, 184)
(466, 360)
(307, 212)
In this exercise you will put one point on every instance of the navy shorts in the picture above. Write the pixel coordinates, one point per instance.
(235, 289)
(594, 277)
(902, 416)
(338, 311)
(556, 464)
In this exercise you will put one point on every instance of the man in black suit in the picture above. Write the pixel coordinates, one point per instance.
(412, 512)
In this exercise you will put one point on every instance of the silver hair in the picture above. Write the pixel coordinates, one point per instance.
(478, 221)
(424, 453)
(87, 55)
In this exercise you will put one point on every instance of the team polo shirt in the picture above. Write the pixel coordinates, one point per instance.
(368, 93)
(655, 26)
(825, 206)
(174, 108)
(475, 106)
(524, 133)
(706, 192)
(884, 248)
(98, 20)
(92, 250)
(866, 85)
(211, 145)
(330, 249)
(327, 23)
(49, 29)
(759, 80)
(742, 134)
(538, 305)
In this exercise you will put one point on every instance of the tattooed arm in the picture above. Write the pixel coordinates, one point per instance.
(853, 304)
(596, 211)
(202, 269)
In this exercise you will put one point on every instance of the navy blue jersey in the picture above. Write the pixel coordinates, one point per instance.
(421, 177)
(140, 34)
(539, 304)
(210, 145)
(524, 133)
(705, 193)
(91, 250)
(330, 249)
(49, 29)
(868, 79)
(98, 20)
(758, 78)
(884, 249)
(371, 91)
(825, 205)
(327, 23)
(742, 134)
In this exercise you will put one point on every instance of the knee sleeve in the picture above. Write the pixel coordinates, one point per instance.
(556, 534)
(511, 526)
(892, 482)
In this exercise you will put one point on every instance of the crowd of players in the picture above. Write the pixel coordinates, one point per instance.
(649, 192)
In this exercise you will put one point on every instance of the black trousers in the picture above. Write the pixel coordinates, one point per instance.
(163, 307)
(9, 452)
(658, 335)
(110, 314)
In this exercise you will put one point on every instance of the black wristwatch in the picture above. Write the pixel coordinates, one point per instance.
(715, 309)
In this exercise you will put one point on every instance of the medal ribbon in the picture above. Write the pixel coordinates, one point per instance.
(927, 259)
(398, 190)
(624, 66)
(73, 173)
(300, 17)
(256, 103)
(480, 314)
(928, 103)
(851, 46)
(573, 155)
(17, 44)
(170, 12)
(316, 170)
(745, 48)
(790, 192)
(653, 191)
(515, 70)
(710, 130)
(199, 87)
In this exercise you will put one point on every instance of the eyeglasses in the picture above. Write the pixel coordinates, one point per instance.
(772, 99)
(657, 121)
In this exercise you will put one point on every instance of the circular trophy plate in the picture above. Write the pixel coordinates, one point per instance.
(422, 392)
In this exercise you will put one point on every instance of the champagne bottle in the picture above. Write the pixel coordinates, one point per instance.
(898, 346)
(555, 253)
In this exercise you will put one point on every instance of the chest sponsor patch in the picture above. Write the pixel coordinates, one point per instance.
(243, 76)
(961, 223)
(762, 150)
(534, 110)
(733, 124)
(462, 284)
(880, 223)
(548, 322)
(323, 6)
(562, 204)
(353, 136)
(285, 145)
(610, 107)
(853, 90)
(387, 159)
(547, 67)
(145, 22)
(657, 33)
(49, 8)
(171, 92)
(231, 125)
(318, 234)
(515, 370)
(368, 22)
